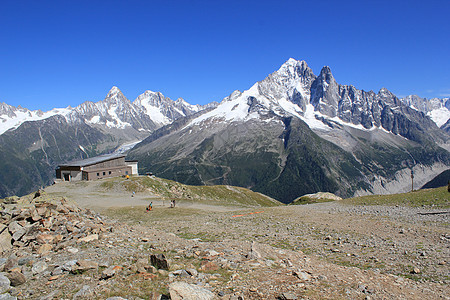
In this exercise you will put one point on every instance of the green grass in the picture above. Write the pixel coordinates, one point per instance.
(168, 189)
(436, 198)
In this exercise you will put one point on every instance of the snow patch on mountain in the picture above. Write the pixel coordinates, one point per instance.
(439, 116)
(12, 117)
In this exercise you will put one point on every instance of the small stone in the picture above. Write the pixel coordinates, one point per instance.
(84, 265)
(288, 296)
(83, 293)
(72, 250)
(184, 291)
(45, 238)
(5, 239)
(415, 271)
(25, 260)
(193, 272)
(44, 249)
(11, 263)
(52, 295)
(39, 267)
(208, 266)
(67, 266)
(14, 226)
(108, 273)
(89, 238)
(5, 284)
(7, 296)
(16, 278)
(57, 271)
(159, 261)
(181, 273)
(302, 275)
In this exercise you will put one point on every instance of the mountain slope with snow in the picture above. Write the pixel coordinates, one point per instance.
(148, 112)
(295, 132)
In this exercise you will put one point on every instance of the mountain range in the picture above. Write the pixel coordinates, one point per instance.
(290, 134)
(33, 143)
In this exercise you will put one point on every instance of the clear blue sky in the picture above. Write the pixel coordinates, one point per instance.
(60, 53)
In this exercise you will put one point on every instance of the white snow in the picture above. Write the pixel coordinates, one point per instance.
(154, 113)
(23, 115)
(118, 123)
(309, 117)
(440, 116)
(94, 120)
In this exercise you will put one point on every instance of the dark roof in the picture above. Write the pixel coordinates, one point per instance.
(92, 160)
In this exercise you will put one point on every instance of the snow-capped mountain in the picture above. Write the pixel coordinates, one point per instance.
(320, 101)
(295, 133)
(148, 112)
(436, 108)
(13, 117)
(33, 143)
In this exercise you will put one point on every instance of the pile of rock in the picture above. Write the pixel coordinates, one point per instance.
(44, 226)
(33, 230)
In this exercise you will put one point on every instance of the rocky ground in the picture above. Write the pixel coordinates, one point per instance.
(54, 249)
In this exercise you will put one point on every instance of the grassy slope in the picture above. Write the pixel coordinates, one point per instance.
(211, 195)
(438, 198)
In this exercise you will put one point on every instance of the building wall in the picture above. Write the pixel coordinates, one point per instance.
(106, 169)
(116, 162)
(106, 173)
(134, 167)
(68, 173)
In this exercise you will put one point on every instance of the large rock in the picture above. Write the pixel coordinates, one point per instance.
(185, 291)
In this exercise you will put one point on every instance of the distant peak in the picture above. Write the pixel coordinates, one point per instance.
(114, 91)
(293, 62)
(325, 70)
(384, 90)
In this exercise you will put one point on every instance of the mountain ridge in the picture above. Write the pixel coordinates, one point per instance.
(377, 133)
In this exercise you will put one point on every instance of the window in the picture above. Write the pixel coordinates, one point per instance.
(109, 172)
(98, 174)
(104, 173)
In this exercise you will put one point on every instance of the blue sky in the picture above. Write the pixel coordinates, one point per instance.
(60, 53)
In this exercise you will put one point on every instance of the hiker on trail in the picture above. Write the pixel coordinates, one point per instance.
(173, 202)
(150, 206)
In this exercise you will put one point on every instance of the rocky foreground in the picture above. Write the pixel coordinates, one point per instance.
(54, 249)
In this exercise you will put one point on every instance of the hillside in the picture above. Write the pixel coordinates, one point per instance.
(119, 192)
(222, 243)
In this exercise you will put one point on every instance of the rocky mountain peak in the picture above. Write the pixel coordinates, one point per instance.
(326, 75)
(325, 93)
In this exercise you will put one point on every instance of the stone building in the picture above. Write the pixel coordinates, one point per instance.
(104, 166)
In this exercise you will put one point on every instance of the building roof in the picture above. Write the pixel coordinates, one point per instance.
(92, 160)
